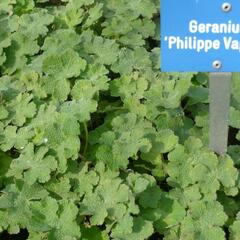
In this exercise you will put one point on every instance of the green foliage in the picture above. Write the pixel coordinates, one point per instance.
(95, 142)
(235, 229)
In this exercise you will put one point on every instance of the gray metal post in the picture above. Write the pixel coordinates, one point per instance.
(220, 92)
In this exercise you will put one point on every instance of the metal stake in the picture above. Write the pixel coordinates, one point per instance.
(220, 92)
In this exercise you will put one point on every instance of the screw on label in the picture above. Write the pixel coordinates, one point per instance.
(217, 64)
(226, 7)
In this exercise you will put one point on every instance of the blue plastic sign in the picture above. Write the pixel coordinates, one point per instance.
(200, 35)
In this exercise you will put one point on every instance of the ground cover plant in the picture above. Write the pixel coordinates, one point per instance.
(95, 142)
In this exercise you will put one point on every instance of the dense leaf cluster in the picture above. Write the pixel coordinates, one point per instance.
(95, 142)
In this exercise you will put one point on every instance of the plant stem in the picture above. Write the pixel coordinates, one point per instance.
(86, 138)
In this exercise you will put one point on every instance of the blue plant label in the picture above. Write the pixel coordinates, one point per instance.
(200, 35)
